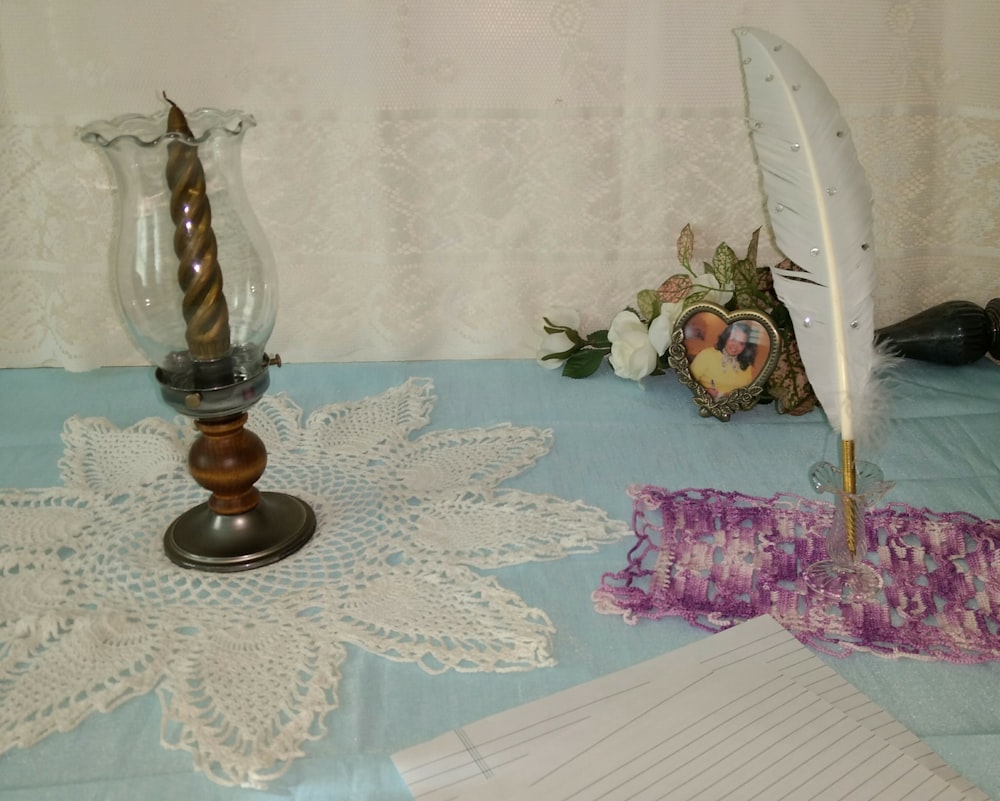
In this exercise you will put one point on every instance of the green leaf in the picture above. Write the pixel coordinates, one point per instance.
(744, 271)
(599, 339)
(724, 264)
(583, 364)
(571, 333)
(685, 246)
(560, 356)
(752, 248)
(746, 290)
(649, 304)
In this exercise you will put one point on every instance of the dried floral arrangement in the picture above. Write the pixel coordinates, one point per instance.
(636, 341)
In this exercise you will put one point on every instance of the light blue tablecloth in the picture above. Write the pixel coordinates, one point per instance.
(942, 447)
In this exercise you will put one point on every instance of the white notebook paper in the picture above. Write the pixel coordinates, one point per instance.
(747, 713)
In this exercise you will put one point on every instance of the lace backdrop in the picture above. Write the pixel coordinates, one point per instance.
(433, 175)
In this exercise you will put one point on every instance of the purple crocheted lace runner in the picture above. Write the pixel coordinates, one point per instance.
(715, 558)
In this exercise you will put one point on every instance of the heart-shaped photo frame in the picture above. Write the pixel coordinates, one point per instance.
(724, 357)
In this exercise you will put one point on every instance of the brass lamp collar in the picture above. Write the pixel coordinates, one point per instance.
(206, 403)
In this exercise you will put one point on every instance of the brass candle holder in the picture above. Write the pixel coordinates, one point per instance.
(204, 328)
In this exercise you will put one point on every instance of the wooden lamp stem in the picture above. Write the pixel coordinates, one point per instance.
(228, 459)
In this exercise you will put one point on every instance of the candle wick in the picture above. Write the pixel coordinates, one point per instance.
(176, 121)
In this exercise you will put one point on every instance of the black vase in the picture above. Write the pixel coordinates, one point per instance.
(955, 332)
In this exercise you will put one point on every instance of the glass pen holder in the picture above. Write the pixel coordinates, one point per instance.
(845, 574)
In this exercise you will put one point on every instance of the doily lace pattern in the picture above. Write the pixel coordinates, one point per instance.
(715, 558)
(247, 666)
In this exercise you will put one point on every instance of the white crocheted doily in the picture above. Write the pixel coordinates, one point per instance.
(247, 665)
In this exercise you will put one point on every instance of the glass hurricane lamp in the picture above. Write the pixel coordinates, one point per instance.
(196, 282)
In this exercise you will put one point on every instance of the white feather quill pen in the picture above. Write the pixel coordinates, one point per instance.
(820, 205)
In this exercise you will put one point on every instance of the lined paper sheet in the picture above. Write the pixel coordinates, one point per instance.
(741, 733)
(518, 749)
(497, 753)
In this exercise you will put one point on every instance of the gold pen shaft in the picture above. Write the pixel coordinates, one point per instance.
(849, 472)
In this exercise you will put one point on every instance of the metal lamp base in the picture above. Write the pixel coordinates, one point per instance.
(226, 543)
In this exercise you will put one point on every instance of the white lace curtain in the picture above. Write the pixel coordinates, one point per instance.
(434, 174)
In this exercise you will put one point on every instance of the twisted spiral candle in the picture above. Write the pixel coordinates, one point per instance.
(198, 273)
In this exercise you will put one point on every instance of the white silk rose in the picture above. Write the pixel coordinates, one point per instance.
(557, 342)
(714, 291)
(636, 347)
